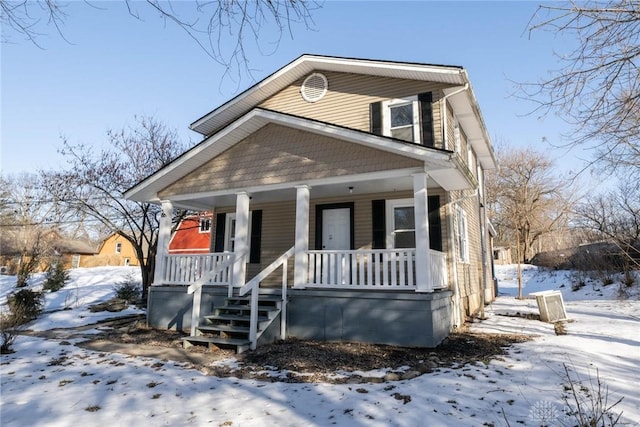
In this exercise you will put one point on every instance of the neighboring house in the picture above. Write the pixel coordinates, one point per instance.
(502, 255)
(115, 250)
(368, 175)
(193, 235)
(74, 253)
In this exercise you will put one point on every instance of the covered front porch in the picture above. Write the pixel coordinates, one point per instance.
(352, 239)
(342, 238)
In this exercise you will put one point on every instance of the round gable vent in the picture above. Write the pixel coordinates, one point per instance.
(314, 87)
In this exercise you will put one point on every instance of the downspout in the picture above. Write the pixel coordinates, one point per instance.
(457, 322)
(483, 246)
(454, 262)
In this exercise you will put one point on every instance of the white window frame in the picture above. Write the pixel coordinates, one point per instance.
(204, 226)
(118, 247)
(230, 218)
(462, 234)
(457, 139)
(386, 115)
(390, 205)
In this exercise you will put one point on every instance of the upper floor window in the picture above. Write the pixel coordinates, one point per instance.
(118, 248)
(401, 119)
(456, 136)
(408, 119)
(463, 234)
(205, 225)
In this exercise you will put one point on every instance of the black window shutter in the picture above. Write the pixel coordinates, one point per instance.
(375, 118)
(426, 118)
(219, 242)
(435, 227)
(379, 227)
(256, 236)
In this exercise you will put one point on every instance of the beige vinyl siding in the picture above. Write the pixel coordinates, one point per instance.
(464, 142)
(438, 125)
(469, 273)
(451, 125)
(276, 154)
(348, 98)
(278, 227)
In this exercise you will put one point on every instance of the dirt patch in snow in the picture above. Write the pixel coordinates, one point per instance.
(312, 361)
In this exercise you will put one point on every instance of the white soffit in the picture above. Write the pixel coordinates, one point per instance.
(470, 118)
(307, 64)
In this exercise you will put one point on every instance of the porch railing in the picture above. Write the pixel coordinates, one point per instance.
(374, 268)
(195, 288)
(187, 269)
(438, 265)
(253, 286)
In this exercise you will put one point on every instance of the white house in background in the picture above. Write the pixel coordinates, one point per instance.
(349, 200)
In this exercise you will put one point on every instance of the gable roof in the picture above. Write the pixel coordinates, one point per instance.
(147, 190)
(464, 102)
(305, 64)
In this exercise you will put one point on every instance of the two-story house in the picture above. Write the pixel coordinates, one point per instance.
(349, 201)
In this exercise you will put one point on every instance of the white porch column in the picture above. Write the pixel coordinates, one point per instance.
(164, 237)
(302, 237)
(241, 245)
(421, 213)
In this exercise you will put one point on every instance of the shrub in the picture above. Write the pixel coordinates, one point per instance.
(587, 402)
(25, 305)
(129, 290)
(56, 277)
(7, 332)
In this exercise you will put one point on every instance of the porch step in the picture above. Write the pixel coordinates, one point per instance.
(229, 324)
(247, 307)
(240, 344)
(236, 317)
(223, 328)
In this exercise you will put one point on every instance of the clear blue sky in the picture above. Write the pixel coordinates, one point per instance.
(114, 67)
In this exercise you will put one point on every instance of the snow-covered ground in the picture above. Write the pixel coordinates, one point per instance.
(53, 383)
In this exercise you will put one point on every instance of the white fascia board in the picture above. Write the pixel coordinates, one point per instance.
(207, 149)
(468, 112)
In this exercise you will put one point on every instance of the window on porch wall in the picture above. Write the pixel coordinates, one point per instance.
(224, 237)
(401, 232)
(400, 225)
(230, 232)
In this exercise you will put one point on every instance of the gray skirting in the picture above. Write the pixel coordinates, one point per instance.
(382, 317)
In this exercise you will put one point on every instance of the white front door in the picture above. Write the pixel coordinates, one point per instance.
(336, 229)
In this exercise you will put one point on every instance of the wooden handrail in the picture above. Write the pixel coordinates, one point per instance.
(266, 272)
(196, 290)
(253, 286)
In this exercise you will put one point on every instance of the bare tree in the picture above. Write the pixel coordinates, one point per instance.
(597, 89)
(28, 219)
(221, 28)
(615, 216)
(527, 199)
(95, 180)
